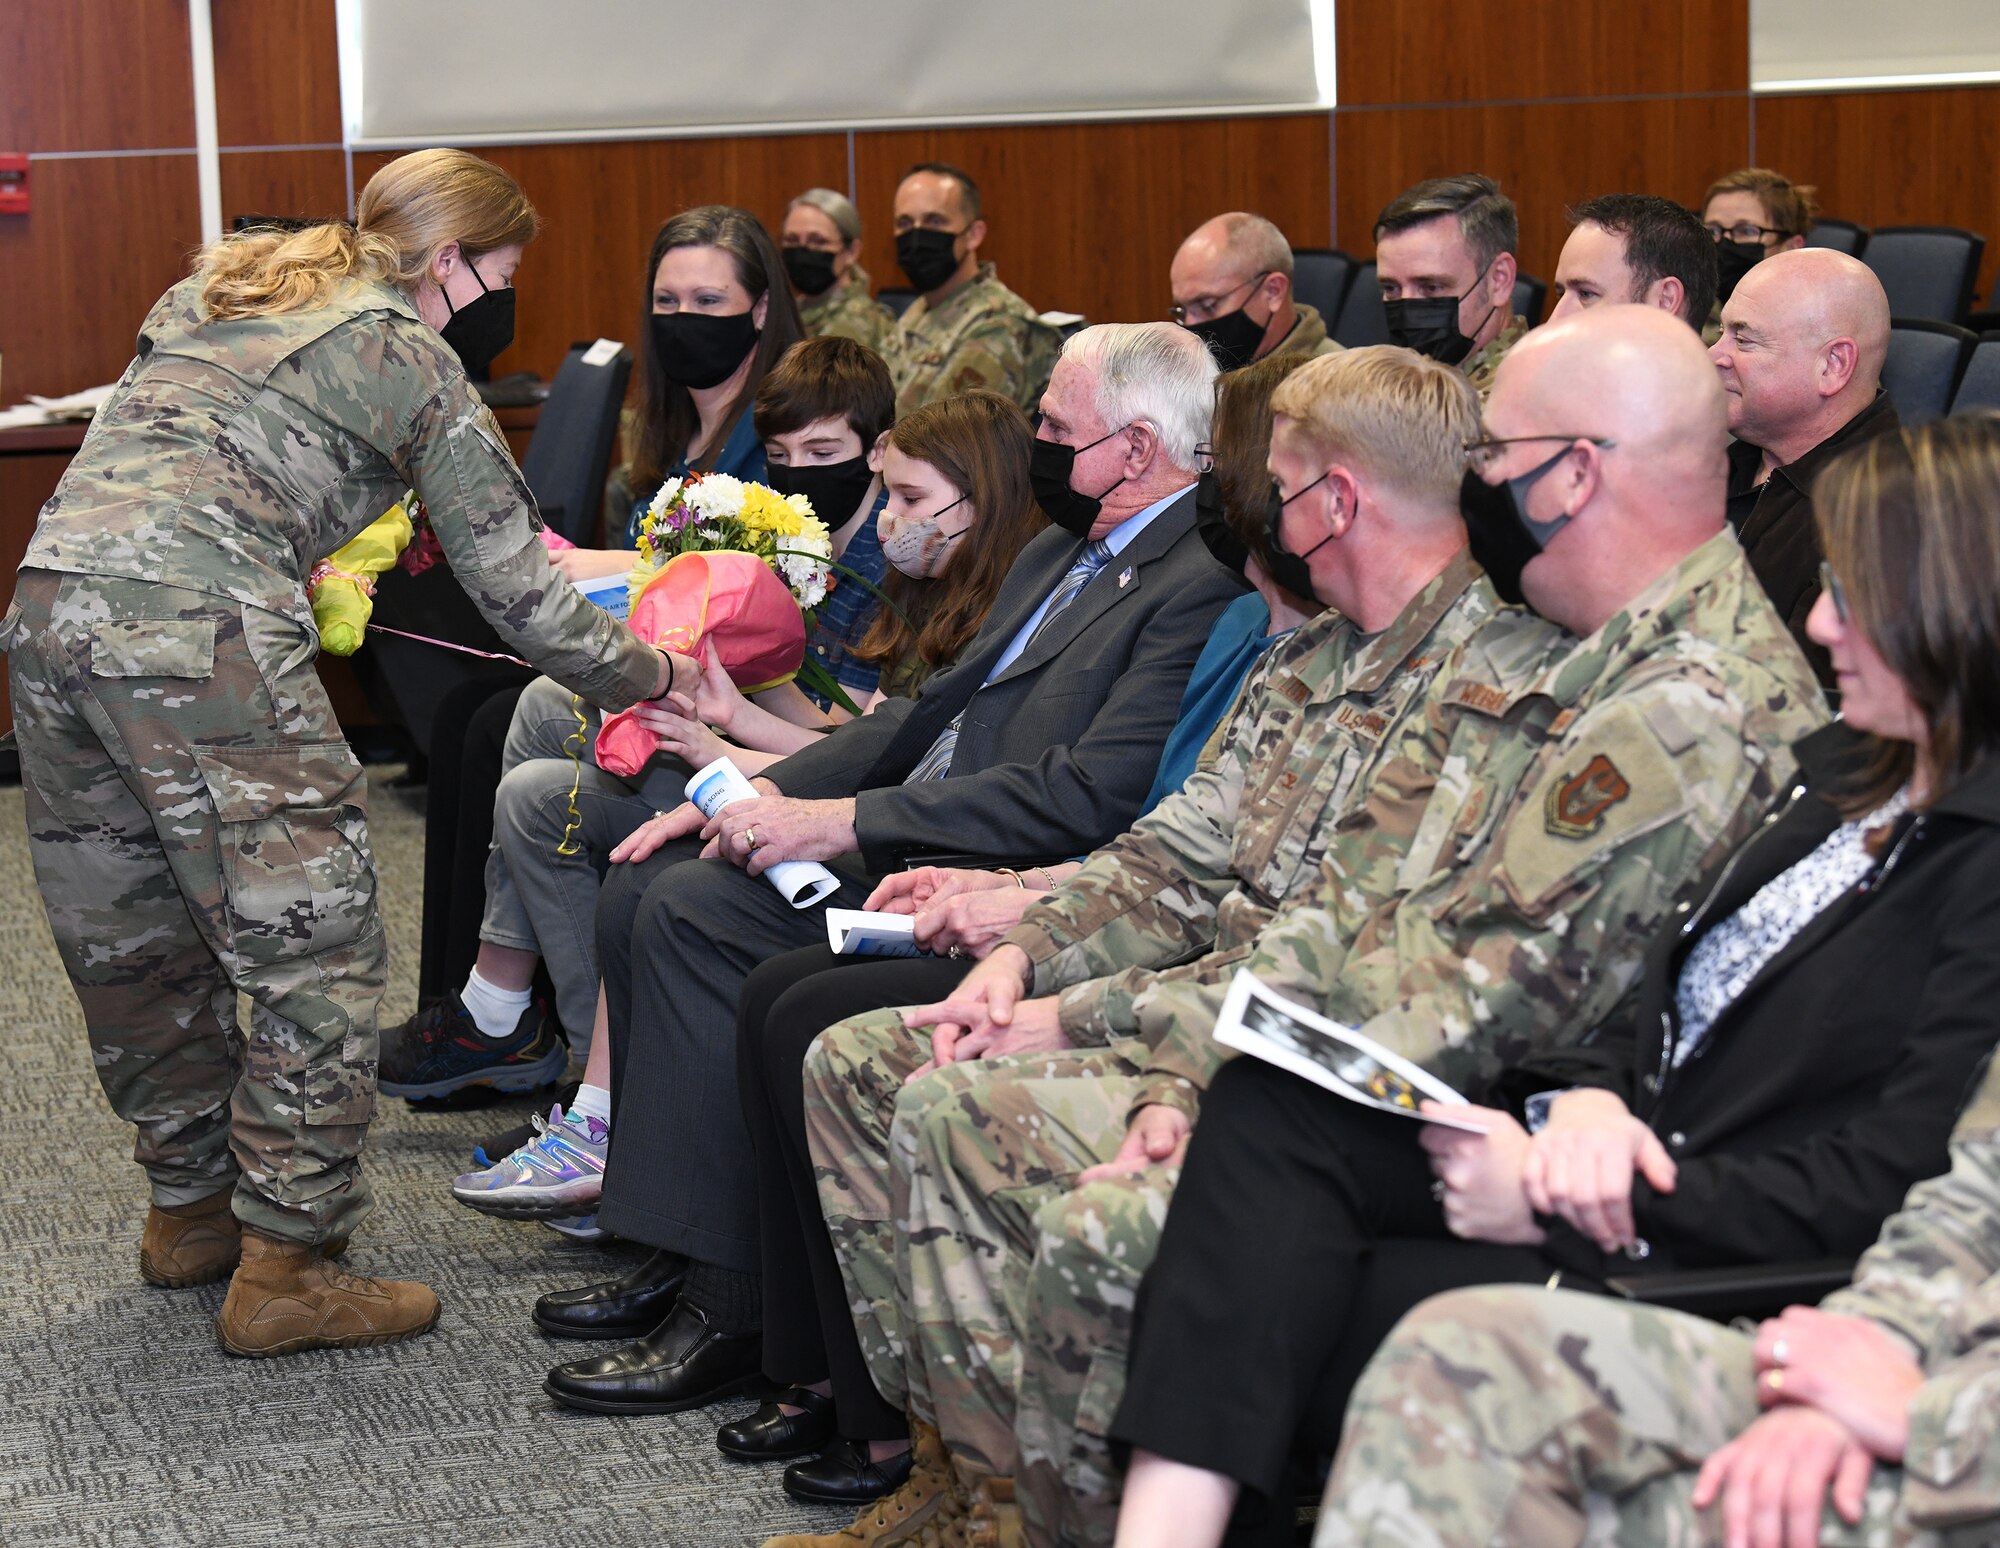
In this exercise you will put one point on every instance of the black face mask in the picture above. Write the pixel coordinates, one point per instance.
(1049, 467)
(834, 488)
(699, 350)
(1733, 260)
(809, 269)
(1505, 538)
(1210, 520)
(1232, 338)
(1429, 325)
(927, 258)
(1288, 569)
(480, 329)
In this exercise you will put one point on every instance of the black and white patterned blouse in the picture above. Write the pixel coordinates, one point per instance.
(1736, 949)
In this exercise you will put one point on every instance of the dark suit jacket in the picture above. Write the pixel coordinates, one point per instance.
(1056, 755)
(1830, 1086)
(1775, 523)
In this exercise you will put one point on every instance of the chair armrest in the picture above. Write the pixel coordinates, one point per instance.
(1753, 1290)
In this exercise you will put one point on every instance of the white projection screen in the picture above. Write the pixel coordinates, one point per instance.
(1825, 45)
(451, 71)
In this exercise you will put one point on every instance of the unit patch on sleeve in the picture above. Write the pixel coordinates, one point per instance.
(1576, 806)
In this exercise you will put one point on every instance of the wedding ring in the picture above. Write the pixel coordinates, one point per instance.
(1780, 1355)
(659, 816)
(750, 837)
(956, 952)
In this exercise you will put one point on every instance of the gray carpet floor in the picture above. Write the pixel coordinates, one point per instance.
(126, 1425)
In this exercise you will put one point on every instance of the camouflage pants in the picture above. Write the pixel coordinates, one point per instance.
(858, 1114)
(197, 827)
(1518, 1416)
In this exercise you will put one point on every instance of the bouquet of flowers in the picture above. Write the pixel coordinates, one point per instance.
(733, 564)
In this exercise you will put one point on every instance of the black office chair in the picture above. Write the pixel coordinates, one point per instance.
(1843, 236)
(1361, 319)
(1979, 387)
(1925, 362)
(897, 301)
(1530, 296)
(1321, 277)
(569, 453)
(1926, 270)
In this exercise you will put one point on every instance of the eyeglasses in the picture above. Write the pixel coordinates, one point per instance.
(1480, 455)
(1742, 231)
(1204, 457)
(1202, 308)
(1830, 584)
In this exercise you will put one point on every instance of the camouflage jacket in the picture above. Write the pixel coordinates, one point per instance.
(849, 311)
(1933, 1278)
(981, 335)
(1183, 894)
(1482, 365)
(1583, 783)
(235, 454)
(1308, 335)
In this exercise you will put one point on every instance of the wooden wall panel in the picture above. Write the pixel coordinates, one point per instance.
(1895, 158)
(277, 72)
(584, 277)
(106, 236)
(1546, 155)
(95, 75)
(1429, 51)
(1086, 217)
(299, 183)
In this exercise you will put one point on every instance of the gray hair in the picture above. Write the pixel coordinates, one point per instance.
(1156, 371)
(1256, 244)
(836, 207)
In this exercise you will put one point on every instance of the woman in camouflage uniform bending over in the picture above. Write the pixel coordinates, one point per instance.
(196, 820)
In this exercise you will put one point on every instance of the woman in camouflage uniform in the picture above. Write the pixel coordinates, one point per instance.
(195, 818)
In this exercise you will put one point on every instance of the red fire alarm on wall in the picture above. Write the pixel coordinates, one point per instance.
(13, 184)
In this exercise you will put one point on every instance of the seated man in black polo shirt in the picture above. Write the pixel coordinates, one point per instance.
(1804, 335)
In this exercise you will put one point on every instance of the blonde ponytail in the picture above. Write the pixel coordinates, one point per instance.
(410, 209)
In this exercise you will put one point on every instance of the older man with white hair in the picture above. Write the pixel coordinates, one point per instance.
(1804, 335)
(1041, 740)
(1232, 288)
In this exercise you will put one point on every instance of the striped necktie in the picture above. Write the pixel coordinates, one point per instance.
(936, 763)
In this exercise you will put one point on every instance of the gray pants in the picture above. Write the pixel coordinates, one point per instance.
(538, 898)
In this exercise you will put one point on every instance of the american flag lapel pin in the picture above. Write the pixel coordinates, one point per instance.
(1125, 577)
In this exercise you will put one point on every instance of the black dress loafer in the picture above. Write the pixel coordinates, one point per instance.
(772, 1435)
(630, 1306)
(682, 1364)
(843, 1475)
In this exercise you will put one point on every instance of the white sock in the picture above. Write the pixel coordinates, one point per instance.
(592, 1102)
(496, 1012)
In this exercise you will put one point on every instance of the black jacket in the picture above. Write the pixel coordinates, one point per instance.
(1830, 1086)
(1775, 525)
(1057, 754)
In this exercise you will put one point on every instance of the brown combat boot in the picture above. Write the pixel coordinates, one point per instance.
(995, 1518)
(287, 1296)
(190, 1244)
(927, 1512)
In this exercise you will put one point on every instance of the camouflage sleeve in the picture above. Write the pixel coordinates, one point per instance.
(484, 518)
(1943, 1243)
(1933, 1278)
(1146, 899)
(1542, 932)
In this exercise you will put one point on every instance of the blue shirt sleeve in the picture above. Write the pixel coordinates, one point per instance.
(1232, 650)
